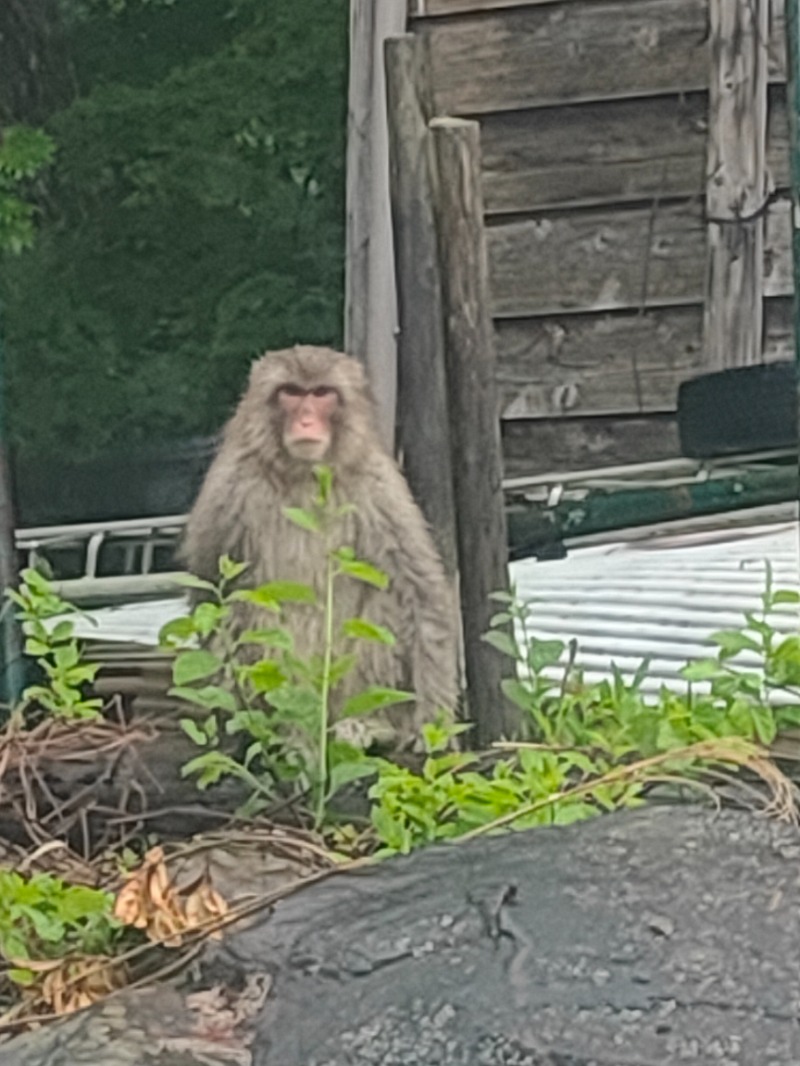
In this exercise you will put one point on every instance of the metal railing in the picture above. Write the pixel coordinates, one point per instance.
(138, 540)
(134, 574)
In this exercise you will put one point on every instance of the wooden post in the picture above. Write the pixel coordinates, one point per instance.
(423, 437)
(12, 669)
(736, 181)
(793, 107)
(370, 306)
(474, 417)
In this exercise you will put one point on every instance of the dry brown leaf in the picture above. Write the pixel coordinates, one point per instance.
(128, 907)
(166, 912)
(203, 906)
(79, 982)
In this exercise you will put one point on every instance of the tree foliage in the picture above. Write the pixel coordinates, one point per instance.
(194, 219)
(24, 152)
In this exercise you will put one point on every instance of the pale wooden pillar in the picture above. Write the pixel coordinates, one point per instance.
(370, 299)
(736, 184)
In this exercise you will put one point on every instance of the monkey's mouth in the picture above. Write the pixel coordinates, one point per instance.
(309, 449)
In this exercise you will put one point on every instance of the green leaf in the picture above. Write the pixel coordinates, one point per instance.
(62, 631)
(36, 647)
(257, 724)
(502, 597)
(788, 716)
(304, 519)
(24, 151)
(16, 598)
(210, 768)
(76, 675)
(344, 773)
(544, 653)
(732, 642)
(341, 667)
(256, 596)
(194, 731)
(503, 642)
(36, 582)
(789, 649)
(286, 592)
(265, 676)
(361, 571)
(324, 478)
(229, 569)
(786, 596)
(641, 673)
(518, 692)
(276, 637)
(372, 699)
(758, 624)
(361, 629)
(211, 697)
(191, 581)
(66, 656)
(701, 670)
(208, 617)
(252, 752)
(176, 631)
(437, 735)
(764, 723)
(194, 666)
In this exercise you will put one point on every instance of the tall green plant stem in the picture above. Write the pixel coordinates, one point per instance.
(330, 577)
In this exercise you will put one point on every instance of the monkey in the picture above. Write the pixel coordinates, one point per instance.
(305, 406)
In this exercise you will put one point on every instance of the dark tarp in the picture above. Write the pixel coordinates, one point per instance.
(649, 938)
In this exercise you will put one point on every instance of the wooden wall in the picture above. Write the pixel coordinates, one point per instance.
(594, 128)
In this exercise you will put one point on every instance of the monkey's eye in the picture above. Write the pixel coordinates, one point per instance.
(323, 390)
(292, 390)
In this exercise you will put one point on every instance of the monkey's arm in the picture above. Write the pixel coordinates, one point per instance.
(216, 525)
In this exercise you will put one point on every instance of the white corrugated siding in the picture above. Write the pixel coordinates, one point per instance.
(659, 598)
(625, 601)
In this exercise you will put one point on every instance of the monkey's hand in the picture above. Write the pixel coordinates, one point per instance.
(365, 733)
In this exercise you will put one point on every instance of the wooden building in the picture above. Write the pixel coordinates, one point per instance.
(635, 173)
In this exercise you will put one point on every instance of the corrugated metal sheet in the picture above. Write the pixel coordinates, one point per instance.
(623, 601)
(129, 623)
(659, 598)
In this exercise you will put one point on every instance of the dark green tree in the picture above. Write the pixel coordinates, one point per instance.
(194, 218)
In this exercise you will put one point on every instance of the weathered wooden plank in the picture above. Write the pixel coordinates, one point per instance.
(616, 363)
(594, 153)
(434, 8)
(474, 422)
(600, 260)
(612, 152)
(422, 426)
(541, 446)
(736, 186)
(793, 96)
(370, 311)
(429, 8)
(579, 50)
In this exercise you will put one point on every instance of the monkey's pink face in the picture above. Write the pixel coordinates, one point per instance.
(308, 420)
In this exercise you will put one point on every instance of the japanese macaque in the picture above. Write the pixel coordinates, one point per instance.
(306, 406)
